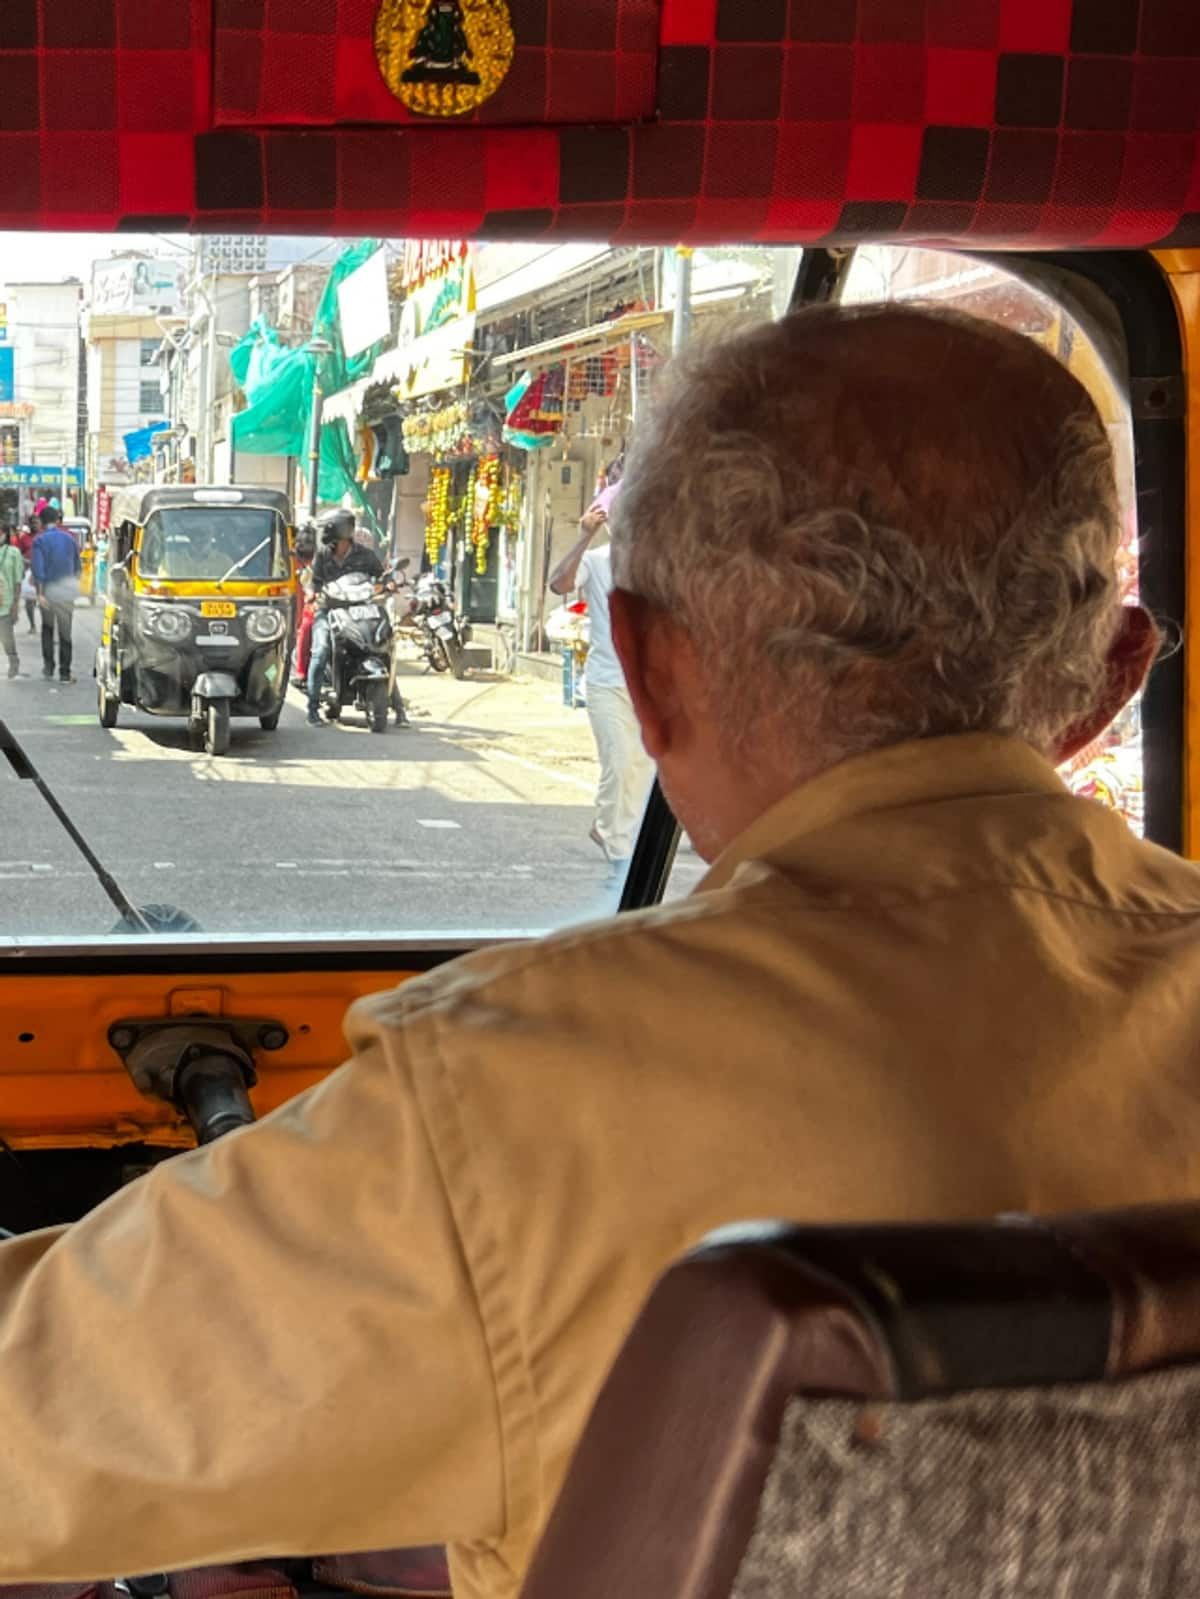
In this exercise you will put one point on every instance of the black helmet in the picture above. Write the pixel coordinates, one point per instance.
(336, 525)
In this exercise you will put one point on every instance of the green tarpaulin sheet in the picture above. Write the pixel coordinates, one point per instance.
(278, 385)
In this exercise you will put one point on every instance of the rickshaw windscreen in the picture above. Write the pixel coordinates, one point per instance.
(193, 542)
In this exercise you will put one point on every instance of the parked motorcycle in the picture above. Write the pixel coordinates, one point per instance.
(443, 636)
(359, 670)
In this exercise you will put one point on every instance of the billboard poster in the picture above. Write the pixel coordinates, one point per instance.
(132, 284)
(363, 305)
(6, 374)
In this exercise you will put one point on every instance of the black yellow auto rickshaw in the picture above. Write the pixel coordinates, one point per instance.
(199, 609)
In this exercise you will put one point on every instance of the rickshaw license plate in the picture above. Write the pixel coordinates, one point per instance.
(218, 608)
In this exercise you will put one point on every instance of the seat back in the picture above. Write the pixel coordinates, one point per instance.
(995, 1409)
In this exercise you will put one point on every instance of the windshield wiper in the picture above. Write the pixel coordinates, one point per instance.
(24, 768)
(237, 565)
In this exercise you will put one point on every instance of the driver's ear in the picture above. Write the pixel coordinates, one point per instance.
(646, 647)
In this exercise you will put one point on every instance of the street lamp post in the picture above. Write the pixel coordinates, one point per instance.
(317, 348)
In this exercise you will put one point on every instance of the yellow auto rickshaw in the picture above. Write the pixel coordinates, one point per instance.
(199, 608)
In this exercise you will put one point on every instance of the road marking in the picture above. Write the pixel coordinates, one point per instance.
(164, 866)
(287, 866)
(427, 821)
(71, 721)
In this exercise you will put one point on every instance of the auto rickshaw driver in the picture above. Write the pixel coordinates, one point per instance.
(199, 558)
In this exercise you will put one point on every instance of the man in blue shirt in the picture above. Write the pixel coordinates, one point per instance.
(56, 577)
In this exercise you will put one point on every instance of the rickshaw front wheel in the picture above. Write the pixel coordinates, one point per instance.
(107, 706)
(271, 722)
(216, 727)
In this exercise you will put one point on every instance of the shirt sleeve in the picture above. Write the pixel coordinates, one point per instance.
(267, 1346)
(37, 560)
(585, 577)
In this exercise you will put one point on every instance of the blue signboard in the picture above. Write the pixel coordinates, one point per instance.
(39, 476)
(138, 446)
(6, 373)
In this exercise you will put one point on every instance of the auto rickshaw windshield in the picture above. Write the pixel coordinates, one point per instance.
(243, 543)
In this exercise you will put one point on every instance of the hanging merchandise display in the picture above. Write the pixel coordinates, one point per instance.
(435, 432)
(534, 409)
(595, 376)
(437, 513)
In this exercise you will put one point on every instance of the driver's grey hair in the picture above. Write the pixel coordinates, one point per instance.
(879, 523)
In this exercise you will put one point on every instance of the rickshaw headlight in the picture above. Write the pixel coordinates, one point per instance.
(167, 623)
(263, 625)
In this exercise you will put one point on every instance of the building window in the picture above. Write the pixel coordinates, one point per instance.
(150, 400)
(149, 351)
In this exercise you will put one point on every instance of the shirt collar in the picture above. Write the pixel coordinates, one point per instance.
(918, 772)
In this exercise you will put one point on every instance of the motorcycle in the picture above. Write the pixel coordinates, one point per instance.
(360, 631)
(441, 633)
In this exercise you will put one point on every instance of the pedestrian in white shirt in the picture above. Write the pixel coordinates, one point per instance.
(625, 768)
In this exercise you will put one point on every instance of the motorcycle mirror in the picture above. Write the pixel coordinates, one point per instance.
(403, 564)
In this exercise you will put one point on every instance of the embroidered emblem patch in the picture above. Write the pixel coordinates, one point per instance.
(443, 57)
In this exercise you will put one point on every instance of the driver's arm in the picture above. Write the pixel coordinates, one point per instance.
(270, 1345)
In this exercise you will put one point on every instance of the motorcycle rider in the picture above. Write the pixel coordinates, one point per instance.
(339, 553)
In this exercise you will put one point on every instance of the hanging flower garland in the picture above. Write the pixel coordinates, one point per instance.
(461, 515)
(437, 513)
(485, 507)
(510, 503)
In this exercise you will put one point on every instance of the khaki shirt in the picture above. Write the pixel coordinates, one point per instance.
(929, 984)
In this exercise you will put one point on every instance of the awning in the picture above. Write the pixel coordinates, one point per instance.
(598, 337)
(529, 272)
(436, 360)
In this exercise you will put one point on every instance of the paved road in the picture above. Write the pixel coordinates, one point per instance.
(474, 821)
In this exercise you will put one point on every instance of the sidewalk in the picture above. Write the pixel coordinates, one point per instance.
(523, 716)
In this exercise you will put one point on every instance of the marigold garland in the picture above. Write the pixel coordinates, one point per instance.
(437, 513)
(485, 507)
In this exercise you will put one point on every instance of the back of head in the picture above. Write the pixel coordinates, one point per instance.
(881, 522)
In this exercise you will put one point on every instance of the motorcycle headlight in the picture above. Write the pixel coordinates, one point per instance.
(263, 625)
(167, 623)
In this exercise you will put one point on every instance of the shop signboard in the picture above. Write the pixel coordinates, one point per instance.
(103, 508)
(436, 360)
(39, 476)
(6, 374)
(3, 320)
(437, 299)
